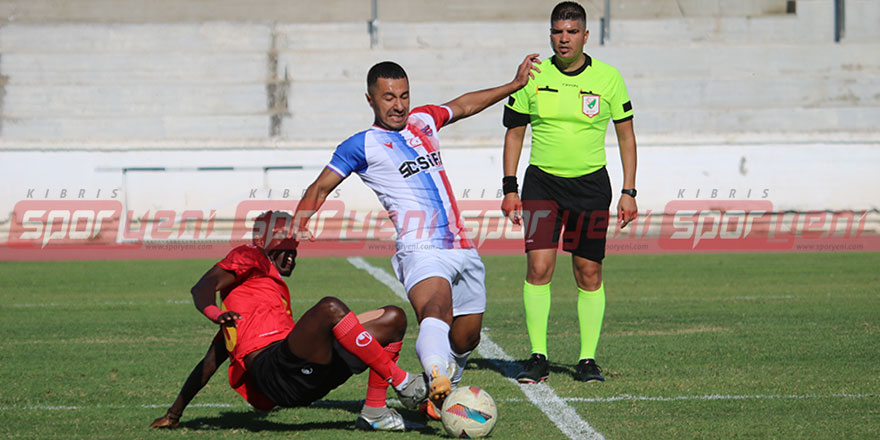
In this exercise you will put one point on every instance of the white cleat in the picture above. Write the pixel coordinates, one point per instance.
(383, 419)
(415, 391)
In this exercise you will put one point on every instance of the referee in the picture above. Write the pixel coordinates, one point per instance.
(568, 104)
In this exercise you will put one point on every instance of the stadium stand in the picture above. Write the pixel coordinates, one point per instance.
(126, 78)
(713, 71)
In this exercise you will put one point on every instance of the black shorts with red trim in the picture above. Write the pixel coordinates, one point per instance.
(579, 203)
(291, 382)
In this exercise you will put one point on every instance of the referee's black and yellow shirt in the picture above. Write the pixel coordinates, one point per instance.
(569, 113)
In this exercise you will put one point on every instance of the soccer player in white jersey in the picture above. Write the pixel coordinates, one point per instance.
(399, 159)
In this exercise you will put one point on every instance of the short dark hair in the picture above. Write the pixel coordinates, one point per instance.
(385, 69)
(569, 11)
(271, 225)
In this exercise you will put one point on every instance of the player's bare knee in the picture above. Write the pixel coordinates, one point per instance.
(396, 318)
(590, 282)
(590, 287)
(539, 273)
(332, 306)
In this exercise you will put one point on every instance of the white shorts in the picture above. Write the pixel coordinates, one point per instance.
(463, 268)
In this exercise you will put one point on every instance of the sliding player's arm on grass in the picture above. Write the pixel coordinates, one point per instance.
(204, 295)
(197, 380)
(311, 202)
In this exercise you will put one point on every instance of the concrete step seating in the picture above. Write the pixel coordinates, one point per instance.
(256, 80)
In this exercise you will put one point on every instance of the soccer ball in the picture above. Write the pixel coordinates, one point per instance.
(469, 412)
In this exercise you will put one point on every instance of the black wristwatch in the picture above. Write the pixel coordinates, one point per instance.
(629, 192)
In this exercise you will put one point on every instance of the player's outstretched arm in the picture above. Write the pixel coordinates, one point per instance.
(474, 102)
(197, 380)
(311, 202)
(626, 139)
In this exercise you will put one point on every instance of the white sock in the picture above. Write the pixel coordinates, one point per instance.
(432, 345)
(403, 384)
(460, 362)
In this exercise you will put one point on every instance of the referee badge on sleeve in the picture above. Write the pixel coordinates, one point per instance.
(590, 105)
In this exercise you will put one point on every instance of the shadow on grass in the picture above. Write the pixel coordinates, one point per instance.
(257, 421)
(510, 369)
(254, 421)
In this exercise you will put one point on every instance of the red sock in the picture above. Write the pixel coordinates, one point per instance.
(353, 337)
(377, 388)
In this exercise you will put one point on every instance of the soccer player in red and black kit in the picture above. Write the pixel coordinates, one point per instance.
(275, 361)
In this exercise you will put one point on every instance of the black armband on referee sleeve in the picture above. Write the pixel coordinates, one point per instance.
(509, 185)
(513, 118)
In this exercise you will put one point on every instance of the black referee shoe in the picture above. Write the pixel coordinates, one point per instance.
(587, 371)
(535, 370)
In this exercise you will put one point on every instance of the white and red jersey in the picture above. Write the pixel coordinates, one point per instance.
(405, 170)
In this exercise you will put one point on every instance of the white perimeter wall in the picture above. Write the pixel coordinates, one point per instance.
(793, 176)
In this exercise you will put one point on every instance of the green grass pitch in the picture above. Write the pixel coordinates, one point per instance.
(693, 346)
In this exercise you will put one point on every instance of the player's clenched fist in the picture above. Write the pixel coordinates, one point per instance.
(228, 318)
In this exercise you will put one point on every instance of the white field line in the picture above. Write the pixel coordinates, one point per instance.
(100, 303)
(541, 395)
(142, 303)
(309, 301)
(626, 397)
(342, 403)
(760, 298)
(80, 407)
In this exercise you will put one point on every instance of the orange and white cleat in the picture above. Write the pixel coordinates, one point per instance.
(441, 386)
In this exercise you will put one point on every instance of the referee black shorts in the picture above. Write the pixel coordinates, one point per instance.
(289, 381)
(580, 203)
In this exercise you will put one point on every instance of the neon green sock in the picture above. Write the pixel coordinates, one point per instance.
(591, 309)
(537, 304)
